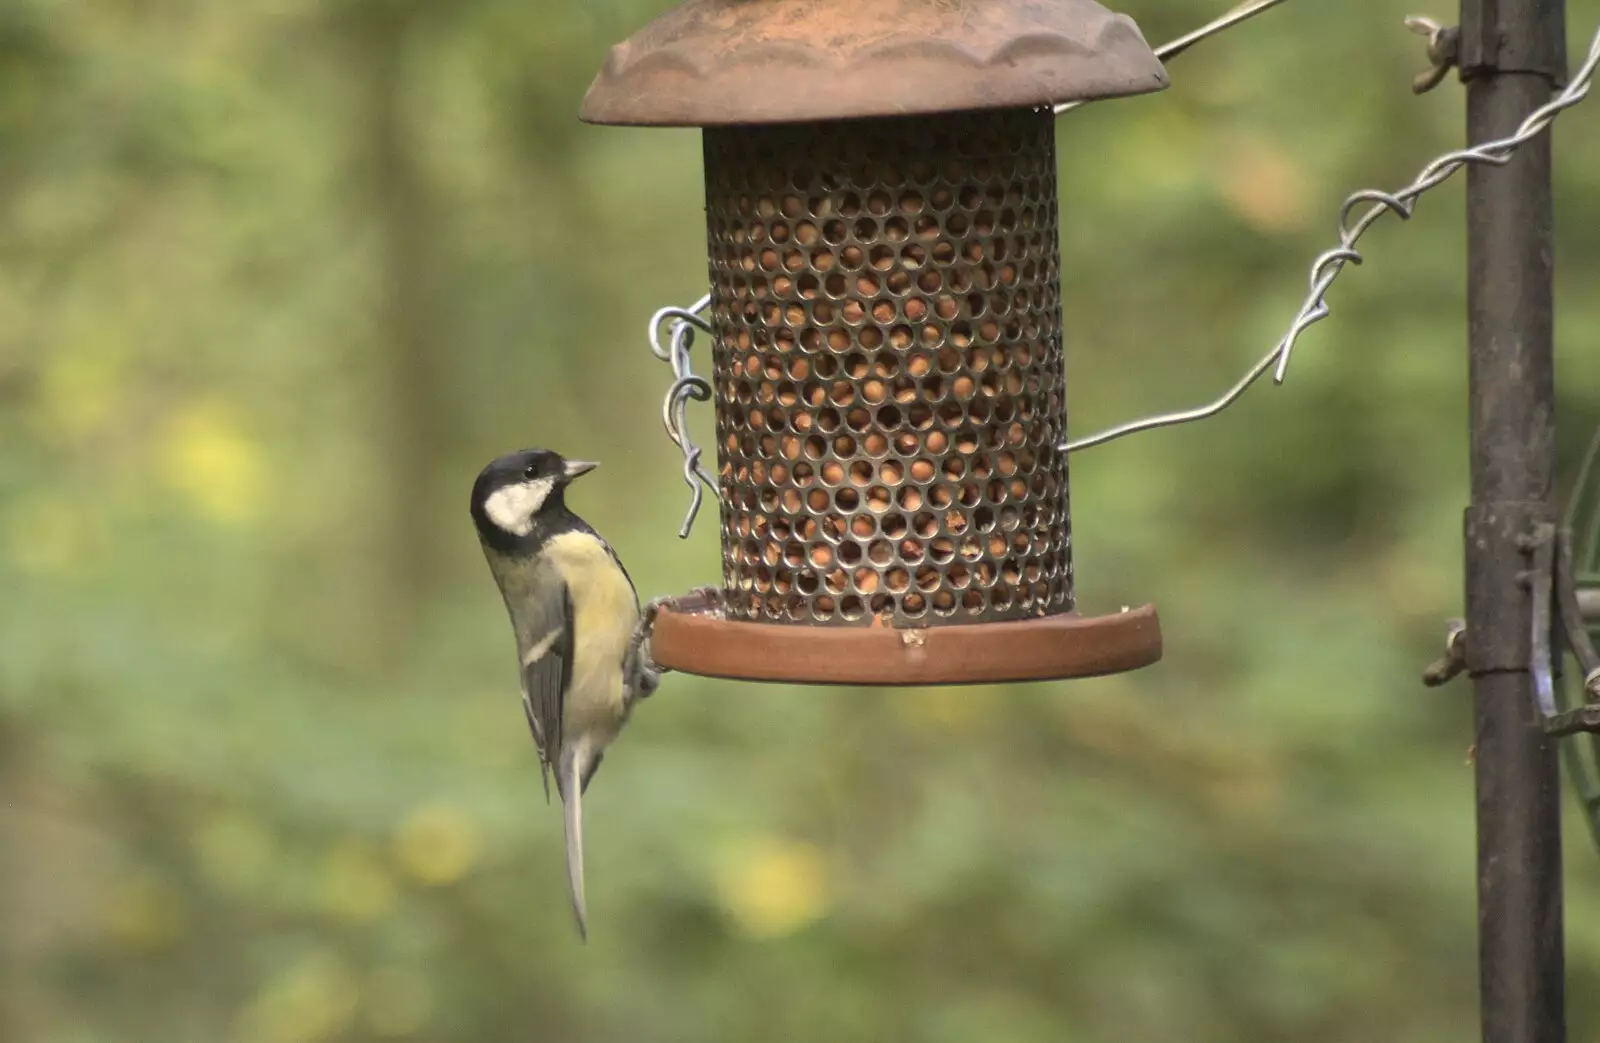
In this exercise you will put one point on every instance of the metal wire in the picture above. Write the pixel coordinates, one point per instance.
(685, 386)
(1170, 50)
(1579, 773)
(1326, 268)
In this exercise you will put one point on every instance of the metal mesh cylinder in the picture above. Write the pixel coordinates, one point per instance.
(888, 370)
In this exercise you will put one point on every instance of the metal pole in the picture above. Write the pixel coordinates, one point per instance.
(1512, 54)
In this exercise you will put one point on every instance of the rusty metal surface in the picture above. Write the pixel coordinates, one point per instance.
(1575, 721)
(887, 357)
(721, 62)
(1047, 649)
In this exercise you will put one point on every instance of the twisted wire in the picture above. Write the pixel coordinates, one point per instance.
(684, 388)
(1326, 268)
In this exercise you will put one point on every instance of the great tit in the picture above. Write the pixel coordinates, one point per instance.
(573, 610)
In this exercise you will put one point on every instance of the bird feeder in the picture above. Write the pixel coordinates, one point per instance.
(885, 310)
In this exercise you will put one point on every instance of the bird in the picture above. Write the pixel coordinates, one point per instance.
(573, 610)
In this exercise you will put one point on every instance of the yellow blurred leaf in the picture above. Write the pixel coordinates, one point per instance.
(773, 887)
(314, 999)
(437, 845)
(205, 456)
(79, 388)
(355, 884)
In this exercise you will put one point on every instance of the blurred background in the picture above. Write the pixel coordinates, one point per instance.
(278, 276)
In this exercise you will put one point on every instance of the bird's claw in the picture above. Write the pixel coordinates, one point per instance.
(712, 596)
(644, 675)
(646, 679)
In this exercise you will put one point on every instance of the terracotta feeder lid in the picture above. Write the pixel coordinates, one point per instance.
(733, 62)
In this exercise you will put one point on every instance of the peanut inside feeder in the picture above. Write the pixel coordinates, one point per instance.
(887, 348)
(886, 322)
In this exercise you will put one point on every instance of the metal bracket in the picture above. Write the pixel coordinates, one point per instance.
(1486, 46)
(1557, 602)
(1557, 616)
(1444, 49)
(1564, 596)
(1508, 533)
(1454, 660)
(1541, 648)
(1568, 722)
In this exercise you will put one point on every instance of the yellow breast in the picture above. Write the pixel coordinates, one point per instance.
(605, 611)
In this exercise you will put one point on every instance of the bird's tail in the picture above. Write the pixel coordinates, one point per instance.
(572, 799)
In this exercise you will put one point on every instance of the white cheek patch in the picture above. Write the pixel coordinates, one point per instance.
(512, 508)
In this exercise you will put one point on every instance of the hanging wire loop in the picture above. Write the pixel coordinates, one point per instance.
(681, 324)
(1326, 268)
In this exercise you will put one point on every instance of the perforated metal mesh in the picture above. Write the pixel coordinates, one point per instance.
(888, 369)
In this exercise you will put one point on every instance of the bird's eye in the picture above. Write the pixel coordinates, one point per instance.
(530, 471)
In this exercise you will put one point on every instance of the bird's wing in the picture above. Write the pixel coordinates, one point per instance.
(544, 643)
(622, 569)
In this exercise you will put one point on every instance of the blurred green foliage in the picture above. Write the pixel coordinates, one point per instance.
(278, 276)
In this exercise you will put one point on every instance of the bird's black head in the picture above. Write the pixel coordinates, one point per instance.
(520, 491)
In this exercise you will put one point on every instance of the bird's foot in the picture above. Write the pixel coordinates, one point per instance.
(646, 678)
(644, 674)
(698, 599)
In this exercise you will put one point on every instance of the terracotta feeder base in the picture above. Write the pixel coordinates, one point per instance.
(1044, 649)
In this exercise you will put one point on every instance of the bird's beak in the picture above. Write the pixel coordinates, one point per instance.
(578, 468)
